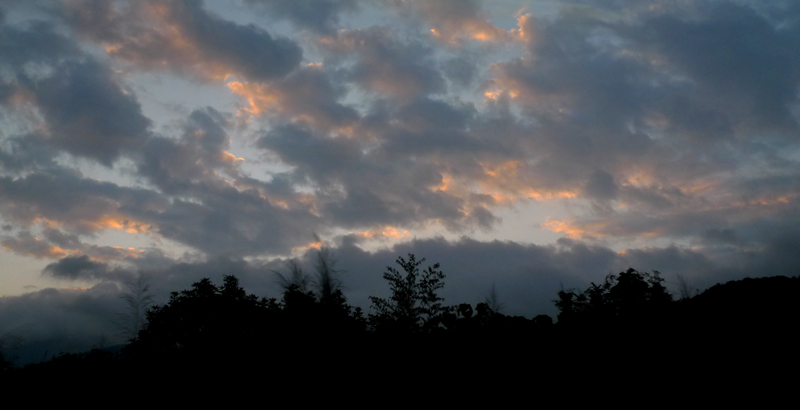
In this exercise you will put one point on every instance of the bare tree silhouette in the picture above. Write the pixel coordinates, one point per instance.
(138, 300)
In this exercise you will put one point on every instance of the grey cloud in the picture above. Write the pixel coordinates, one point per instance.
(452, 20)
(184, 36)
(233, 223)
(26, 244)
(601, 186)
(79, 204)
(207, 126)
(528, 277)
(88, 113)
(176, 165)
(322, 157)
(76, 267)
(50, 321)
(377, 187)
(57, 244)
(627, 98)
(27, 152)
(310, 94)
(749, 64)
(248, 49)
(461, 70)
(318, 15)
(37, 42)
(397, 69)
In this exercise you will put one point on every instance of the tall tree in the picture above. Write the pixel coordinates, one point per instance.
(414, 305)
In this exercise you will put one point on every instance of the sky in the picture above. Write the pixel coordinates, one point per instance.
(526, 146)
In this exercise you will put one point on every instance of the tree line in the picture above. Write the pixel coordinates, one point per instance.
(221, 328)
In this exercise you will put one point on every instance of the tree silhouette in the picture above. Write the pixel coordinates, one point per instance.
(206, 320)
(493, 301)
(414, 305)
(297, 278)
(327, 279)
(138, 300)
(626, 298)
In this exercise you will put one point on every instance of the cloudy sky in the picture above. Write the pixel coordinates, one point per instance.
(529, 145)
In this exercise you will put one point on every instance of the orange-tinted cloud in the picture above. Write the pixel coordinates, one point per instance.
(312, 245)
(573, 229)
(119, 222)
(456, 21)
(28, 245)
(184, 37)
(387, 232)
(306, 95)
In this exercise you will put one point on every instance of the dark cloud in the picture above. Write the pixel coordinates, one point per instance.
(76, 267)
(235, 223)
(251, 51)
(308, 94)
(51, 321)
(737, 56)
(318, 15)
(184, 36)
(27, 244)
(528, 277)
(378, 187)
(80, 204)
(385, 65)
(88, 113)
(37, 42)
(453, 21)
(601, 186)
(176, 165)
(27, 152)
(460, 70)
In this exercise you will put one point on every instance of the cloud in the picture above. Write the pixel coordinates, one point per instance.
(321, 16)
(27, 244)
(378, 187)
(764, 81)
(76, 267)
(453, 21)
(177, 165)
(236, 224)
(308, 94)
(184, 37)
(57, 244)
(385, 65)
(37, 42)
(88, 114)
(51, 321)
(78, 204)
(601, 186)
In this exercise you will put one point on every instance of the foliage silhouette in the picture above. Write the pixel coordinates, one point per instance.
(628, 298)
(296, 278)
(327, 280)
(414, 305)
(205, 320)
